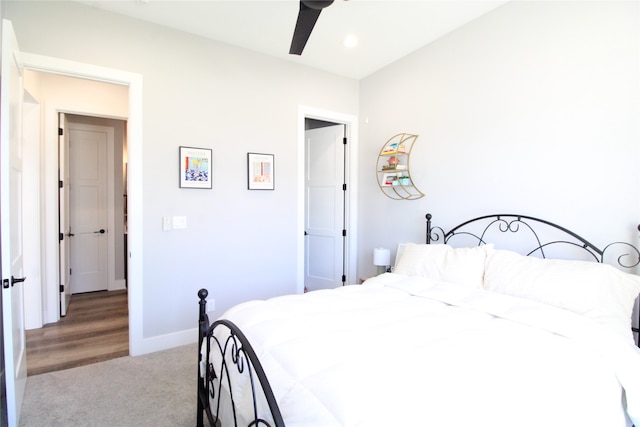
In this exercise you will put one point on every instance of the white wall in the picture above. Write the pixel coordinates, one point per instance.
(532, 108)
(240, 244)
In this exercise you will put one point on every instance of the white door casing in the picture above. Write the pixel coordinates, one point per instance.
(63, 216)
(31, 212)
(138, 344)
(11, 91)
(325, 210)
(351, 205)
(89, 150)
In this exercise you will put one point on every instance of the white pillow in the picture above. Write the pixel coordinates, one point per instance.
(443, 263)
(598, 291)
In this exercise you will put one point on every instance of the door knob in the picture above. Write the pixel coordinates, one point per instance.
(101, 231)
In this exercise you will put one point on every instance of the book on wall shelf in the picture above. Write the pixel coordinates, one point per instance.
(394, 167)
(393, 148)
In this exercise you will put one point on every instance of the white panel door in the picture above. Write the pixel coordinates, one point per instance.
(15, 356)
(63, 217)
(88, 208)
(324, 211)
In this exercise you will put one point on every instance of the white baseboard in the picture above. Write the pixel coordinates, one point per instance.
(118, 285)
(165, 342)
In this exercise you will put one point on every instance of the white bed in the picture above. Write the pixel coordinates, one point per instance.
(455, 336)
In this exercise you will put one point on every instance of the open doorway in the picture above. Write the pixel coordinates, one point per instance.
(100, 105)
(334, 138)
(325, 205)
(87, 105)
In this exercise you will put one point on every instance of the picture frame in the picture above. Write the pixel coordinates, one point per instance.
(195, 167)
(260, 171)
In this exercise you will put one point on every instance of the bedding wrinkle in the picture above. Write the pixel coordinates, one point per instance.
(424, 340)
(598, 291)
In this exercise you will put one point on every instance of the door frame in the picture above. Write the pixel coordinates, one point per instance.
(351, 206)
(133, 81)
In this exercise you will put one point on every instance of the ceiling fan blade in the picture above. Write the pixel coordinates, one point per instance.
(307, 17)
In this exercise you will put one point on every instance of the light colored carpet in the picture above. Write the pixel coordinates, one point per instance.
(157, 389)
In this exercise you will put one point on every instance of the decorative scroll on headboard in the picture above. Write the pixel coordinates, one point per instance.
(477, 229)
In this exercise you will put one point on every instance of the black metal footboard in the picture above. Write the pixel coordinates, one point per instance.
(232, 385)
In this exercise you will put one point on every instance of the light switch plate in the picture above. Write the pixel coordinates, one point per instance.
(179, 222)
(166, 223)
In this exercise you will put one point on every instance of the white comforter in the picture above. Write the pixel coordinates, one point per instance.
(406, 351)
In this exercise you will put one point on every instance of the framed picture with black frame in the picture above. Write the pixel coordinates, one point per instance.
(260, 171)
(195, 167)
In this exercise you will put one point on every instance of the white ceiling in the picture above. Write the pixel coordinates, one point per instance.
(387, 29)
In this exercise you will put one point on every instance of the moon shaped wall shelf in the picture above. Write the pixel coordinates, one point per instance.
(392, 168)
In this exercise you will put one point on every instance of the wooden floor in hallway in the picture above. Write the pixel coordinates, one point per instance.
(95, 329)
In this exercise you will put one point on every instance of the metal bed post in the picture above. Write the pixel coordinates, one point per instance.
(637, 330)
(203, 326)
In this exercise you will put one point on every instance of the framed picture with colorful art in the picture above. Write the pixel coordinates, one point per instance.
(261, 171)
(195, 167)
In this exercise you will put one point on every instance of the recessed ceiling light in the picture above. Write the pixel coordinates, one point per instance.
(350, 41)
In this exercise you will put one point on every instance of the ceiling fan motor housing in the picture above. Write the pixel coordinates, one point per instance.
(317, 4)
(307, 17)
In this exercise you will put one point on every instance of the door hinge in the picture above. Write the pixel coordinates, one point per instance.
(60, 132)
(344, 278)
(344, 187)
(60, 236)
(344, 140)
(5, 283)
(61, 288)
(60, 184)
(344, 233)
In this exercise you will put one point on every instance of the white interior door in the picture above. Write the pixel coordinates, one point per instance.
(88, 207)
(324, 210)
(63, 217)
(11, 91)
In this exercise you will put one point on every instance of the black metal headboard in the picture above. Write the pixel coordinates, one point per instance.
(628, 256)
(625, 254)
